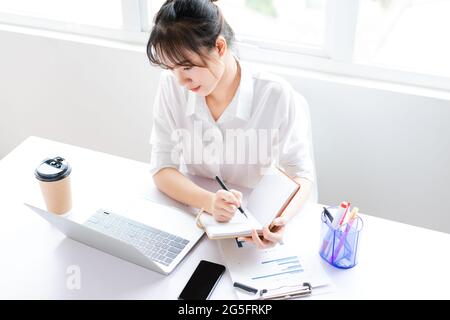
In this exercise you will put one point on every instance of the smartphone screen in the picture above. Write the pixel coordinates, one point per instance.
(202, 282)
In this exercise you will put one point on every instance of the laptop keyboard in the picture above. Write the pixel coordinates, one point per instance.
(156, 244)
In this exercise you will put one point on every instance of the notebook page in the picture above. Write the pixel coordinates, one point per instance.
(239, 225)
(270, 195)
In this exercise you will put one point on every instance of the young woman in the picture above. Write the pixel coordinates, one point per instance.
(216, 116)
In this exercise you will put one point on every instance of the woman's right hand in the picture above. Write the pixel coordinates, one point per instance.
(225, 204)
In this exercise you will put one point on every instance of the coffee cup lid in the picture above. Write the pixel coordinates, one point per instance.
(53, 169)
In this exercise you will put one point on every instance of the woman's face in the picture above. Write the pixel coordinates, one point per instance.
(201, 80)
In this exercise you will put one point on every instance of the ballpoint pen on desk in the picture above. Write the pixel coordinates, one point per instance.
(342, 239)
(245, 287)
(225, 188)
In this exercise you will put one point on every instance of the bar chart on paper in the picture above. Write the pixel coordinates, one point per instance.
(278, 267)
(262, 269)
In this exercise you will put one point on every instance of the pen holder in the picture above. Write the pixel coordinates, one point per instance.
(339, 247)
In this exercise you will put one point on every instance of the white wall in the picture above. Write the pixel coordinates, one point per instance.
(81, 94)
(387, 152)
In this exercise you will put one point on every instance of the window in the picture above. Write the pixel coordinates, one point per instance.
(81, 12)
(287, 24)
(411, 35)
(404, 41)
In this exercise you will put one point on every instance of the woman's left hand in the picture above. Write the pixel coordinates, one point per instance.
(269, 238)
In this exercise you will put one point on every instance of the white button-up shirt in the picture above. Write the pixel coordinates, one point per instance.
(266, 123)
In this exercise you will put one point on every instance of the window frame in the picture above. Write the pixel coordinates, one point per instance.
(335, 57)
(134, 18)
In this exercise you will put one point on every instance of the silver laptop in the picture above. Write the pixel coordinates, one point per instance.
(158, 243)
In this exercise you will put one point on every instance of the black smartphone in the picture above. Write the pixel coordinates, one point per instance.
(203, 281)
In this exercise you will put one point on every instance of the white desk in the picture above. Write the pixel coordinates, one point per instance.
(396, 260)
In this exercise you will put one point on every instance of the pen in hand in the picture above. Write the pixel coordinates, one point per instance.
(225, 188)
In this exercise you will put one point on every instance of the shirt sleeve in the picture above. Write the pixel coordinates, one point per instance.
(165, 153)
(295, 150)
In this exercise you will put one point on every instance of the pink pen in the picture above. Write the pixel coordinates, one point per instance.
(337, 219)
(345, 213)
(352, 219)
(340, 214)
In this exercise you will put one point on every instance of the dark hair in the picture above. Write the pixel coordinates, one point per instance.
(183, 26)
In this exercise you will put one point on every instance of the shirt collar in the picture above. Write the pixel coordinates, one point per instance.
(244, 96)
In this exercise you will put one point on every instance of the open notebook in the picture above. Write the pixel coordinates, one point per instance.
(265, 202)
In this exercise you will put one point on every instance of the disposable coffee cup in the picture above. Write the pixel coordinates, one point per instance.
(53, 175)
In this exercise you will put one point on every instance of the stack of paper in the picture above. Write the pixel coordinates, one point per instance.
(275, 268)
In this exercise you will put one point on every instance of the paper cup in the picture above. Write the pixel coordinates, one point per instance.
(53, 175)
